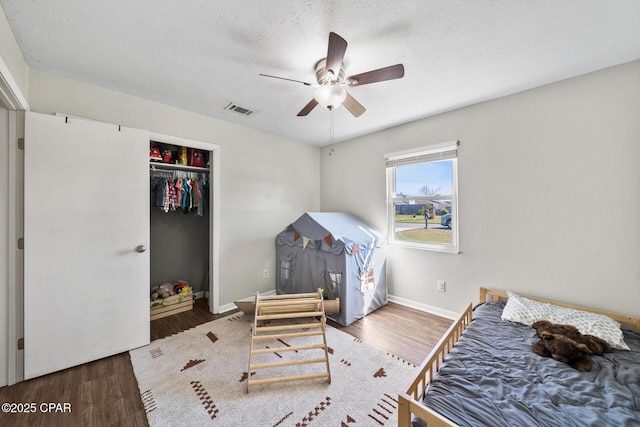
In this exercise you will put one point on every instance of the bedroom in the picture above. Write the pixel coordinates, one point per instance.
(577, 136)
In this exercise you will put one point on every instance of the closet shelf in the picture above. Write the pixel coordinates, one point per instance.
(170, 166)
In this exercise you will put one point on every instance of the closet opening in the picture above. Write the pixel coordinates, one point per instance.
(183, 214)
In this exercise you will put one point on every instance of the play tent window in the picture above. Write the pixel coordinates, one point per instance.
(336, 278)
(335, 282)
(285, 268)
(367, 280)
(422, 197)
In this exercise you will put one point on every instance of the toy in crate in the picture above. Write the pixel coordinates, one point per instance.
(170, 298)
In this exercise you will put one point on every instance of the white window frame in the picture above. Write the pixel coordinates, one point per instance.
(435, 152)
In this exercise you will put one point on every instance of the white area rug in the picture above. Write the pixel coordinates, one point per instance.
(198, 378)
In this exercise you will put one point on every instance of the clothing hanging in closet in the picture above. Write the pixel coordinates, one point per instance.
(179, 190)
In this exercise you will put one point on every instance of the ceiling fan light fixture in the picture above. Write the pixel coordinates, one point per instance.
(330, 76)
(330, 96)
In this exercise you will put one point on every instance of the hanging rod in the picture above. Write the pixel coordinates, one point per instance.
(170, 167)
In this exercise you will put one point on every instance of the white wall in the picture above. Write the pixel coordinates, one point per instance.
(549, 193)
(265, 181)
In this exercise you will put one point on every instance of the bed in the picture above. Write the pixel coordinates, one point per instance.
(484, 372)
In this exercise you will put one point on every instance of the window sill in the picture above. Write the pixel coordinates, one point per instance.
(424, 246)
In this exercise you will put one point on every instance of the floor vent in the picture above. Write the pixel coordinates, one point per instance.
(238, 109)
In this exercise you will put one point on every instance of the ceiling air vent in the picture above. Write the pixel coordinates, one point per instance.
(238, 109)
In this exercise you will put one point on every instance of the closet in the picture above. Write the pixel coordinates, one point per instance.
(87, 257)
(180, 209)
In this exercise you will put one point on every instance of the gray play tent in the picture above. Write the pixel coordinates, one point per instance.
(335, 252)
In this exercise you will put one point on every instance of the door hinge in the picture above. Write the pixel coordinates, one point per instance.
(21, 243)
(20, 343)
(21, 143)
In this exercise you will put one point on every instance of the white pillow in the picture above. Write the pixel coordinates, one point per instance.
(526, 311)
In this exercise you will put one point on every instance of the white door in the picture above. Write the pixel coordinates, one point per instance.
(86, 223)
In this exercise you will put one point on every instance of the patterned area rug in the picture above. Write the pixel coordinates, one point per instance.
(199, 378)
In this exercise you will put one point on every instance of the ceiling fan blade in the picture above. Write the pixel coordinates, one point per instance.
(307, 108)
(353, 106)
(335, 53)
(374, 76)
(284, 78)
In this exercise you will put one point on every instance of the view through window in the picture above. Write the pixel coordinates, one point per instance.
(423, 197)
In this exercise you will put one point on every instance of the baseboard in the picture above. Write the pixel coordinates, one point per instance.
(231, 306)
(424, 307)
(227, 307)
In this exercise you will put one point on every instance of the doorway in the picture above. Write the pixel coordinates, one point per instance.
(191, 227)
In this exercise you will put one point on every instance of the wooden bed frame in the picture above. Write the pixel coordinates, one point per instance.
(410, 400)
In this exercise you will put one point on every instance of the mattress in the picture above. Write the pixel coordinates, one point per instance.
(493, 378)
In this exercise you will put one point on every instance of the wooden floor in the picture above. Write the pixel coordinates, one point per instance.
(105, 392)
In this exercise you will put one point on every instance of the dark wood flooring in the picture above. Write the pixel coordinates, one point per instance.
(105, 392)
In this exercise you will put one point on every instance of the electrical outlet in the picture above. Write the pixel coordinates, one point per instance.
(442, 286)
(265, 273)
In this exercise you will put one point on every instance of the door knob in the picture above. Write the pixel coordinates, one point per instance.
(141, 248)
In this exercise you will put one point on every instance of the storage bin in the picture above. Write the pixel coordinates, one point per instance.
(171, 305)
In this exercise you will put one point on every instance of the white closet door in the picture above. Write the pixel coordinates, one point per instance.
(86, 280)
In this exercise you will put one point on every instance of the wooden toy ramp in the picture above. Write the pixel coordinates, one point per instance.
(285, 319)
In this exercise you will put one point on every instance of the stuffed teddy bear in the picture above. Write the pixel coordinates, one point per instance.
(566, 344)
(597, 345)
(162, 291)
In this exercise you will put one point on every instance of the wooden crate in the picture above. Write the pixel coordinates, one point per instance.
(172, 305)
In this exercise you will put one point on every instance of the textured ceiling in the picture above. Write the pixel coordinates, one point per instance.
(200, 55)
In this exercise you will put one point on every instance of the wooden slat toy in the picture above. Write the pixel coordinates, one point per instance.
(289, 308)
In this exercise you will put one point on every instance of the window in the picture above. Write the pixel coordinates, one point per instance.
(335, 284)
(422, 197)
(285, 268)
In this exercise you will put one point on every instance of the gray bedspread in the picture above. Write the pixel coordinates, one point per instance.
(493, 378)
